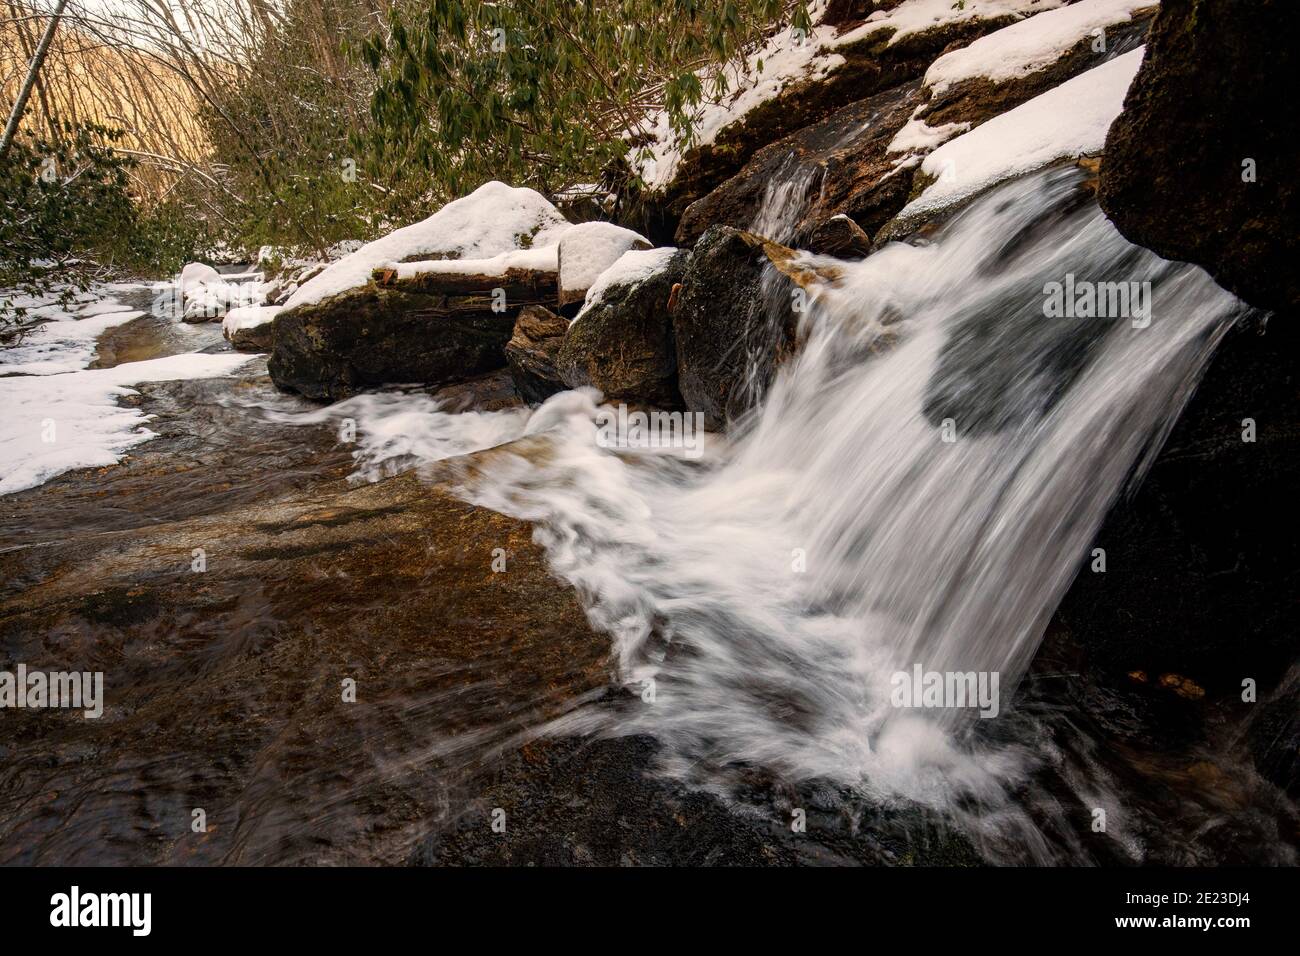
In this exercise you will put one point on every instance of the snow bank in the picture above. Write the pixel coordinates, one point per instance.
(587, 250)
(787, 59)
(55, 423)
(917, 16)
(629, 269)
(1030, 45)
(66, 342)
(492, 220)
(1068, 121)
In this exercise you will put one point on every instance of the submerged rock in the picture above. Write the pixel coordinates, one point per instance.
(1201, 164)
(531, 352)
(388, 590)
(622, 341)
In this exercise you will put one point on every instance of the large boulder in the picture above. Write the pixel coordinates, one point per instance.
(431, 328)
(531, 353)
(1198, 562)
(1201, 164)
(430, 304)
(495, 220)
(736, 319)
(622, 340)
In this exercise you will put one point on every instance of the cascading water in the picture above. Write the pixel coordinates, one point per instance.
(918, 487)
(786, 197)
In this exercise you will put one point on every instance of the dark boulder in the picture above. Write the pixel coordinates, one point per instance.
(736, 320)
(430, 329)
(1273, 736)
(1207, 108)
(623, 343)
(531, 353)
(839, 236)
(1201, 569)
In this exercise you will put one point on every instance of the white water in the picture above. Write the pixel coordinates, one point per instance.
(787, 195)
(951, 555)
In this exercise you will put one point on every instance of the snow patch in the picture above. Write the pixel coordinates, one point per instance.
(66, 342)
(492, 220)
(1030, 45)
(248, 317)
(588, 249)
(917, 16)
(917, 136)
(55, 423)
(1068, 121)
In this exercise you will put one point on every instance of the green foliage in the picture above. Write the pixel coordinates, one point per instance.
(285, 128)
(541, 92)
(66, 218)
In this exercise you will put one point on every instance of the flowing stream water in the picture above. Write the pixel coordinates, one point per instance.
(916, 489)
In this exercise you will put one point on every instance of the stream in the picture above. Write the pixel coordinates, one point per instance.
(917, 489)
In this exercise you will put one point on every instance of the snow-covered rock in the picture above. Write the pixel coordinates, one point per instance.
(787, 61)
(196, 274)
(492, 220)
(623, 344)
(249, 328)
(630, 269)
(1068, 121)
(587, 250)
(1030, 45)
(210, 300)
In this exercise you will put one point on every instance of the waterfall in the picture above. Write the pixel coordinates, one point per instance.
(786, 197)
(914, 495)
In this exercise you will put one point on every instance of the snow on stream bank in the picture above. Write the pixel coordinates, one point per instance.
(61, 415)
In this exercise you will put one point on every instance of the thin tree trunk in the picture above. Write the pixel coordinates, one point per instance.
(33, 71)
